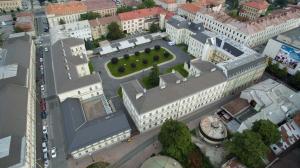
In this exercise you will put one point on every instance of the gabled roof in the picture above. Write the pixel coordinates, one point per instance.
(258, 4)
(141, 13)
(95, 5)
(67, 8)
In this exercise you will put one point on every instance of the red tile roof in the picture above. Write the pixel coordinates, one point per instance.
(169, 15)
(141, 13)
(259, 4)
(104, 20)
(190, 7)
(68, 8)
(94, 5)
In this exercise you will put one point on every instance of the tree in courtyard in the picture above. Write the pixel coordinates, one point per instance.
(157, 47)
(153, 78)
(89, 16)
(248, 147)
(145, 61)
(121, 69)
(147, 50)
(166, 54)
(114, 31)
(281, 3)
(148, 3)
(133, 65)
(126, 56)
(155, 58)
(267, 130)
(61, 21)
(175, 138)
(295, 80)
(137, 53)
(154, 28)
(114, 60)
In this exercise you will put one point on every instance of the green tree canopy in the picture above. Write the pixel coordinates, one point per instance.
(89, 16)
(248, 147)
(124, 9)
(267, 130)
(175, 138)
(154, 76)
(147, 4)
(154, 28)
(295, 80)
(114, 31)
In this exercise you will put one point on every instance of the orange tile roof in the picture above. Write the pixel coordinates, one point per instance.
(191, 7)
(169, 15)
(94, 5)
(261, 5)
(68, 8)
(168, 1)
(141, 13)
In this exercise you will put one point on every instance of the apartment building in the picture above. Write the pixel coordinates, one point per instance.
(285, 50)
(71, 71)
(99, 25)
(91, 133)
(142, 19)
(7, 5)
(175, 96)
(170, 5)
(103, 7)
(68, 12)
(253, 9)
(188, 11)
(17, 102)
(79, 29)
(251, 33)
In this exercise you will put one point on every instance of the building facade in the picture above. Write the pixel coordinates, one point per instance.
(253, 9)
(188, 11)
(99, 25)
(17, 84)
(250, 33)
(170, 5)
(103, 7)
(79, 29)
(72, 74)
(7, 5)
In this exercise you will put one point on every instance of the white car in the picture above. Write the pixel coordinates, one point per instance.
(45, 131)
(171, 43)
(42, 87)
(41, 60)
(44, 147)
(53, 152)
(46, 49)
(46, 163)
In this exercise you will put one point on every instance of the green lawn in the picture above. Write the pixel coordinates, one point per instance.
(138, 60)
(179, 68)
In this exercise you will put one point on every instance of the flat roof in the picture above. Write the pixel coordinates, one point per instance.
(125, 44)
(107, 49)
(79, 132)
(60, 52)
(236, 106)
(141, 40)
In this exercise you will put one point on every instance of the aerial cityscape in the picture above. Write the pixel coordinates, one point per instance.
(149, 83)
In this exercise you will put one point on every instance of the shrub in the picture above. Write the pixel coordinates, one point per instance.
(126, 56)
(155, 58)
(166, 54)
(145, 61)
(114, 60)
(121, 69)
(133, 65)
(157, 47)
(137, 53)
(147, 50)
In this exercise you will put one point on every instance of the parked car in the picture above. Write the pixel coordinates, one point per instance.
(45, 156)
(45, 138)
(46, 163)
(46, 49)
(171, 43)
(53, 152)
(45, 130)
(43, 105)
(43, 115)
(42, 87)
(41, 60)
(44, 147)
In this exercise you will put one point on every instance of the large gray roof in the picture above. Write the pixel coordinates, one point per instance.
(79, 132)
(158, 97)
(63, 83)
(180, 24)
(14, 97)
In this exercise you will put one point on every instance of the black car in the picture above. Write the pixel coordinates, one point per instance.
(43, 115)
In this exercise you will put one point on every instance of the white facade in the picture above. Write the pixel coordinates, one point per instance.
(190, 16)
(54, 20)
(100, 145)
(78, 29)
(249, 33)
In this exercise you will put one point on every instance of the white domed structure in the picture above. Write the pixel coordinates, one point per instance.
(212, 130)
(161, 162)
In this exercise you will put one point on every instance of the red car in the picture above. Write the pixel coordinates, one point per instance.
(43, 105)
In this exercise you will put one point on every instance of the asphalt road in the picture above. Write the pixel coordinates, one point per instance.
(111, 85)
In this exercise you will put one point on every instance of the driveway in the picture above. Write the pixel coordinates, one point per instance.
(111, 85)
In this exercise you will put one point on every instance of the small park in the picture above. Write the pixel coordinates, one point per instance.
(128, 64)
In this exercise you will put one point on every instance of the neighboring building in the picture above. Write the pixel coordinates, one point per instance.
(141, 19)
(268, 100)
(161, 161)
(170, 5)
(250, 33)
(99, 25)
(188, 11)
(285, 50)
(290, 134)
(7, 5)
(6, 20)
(71, 71)
(103, 7)
(241, 65)
(79, 29)
(17, 102)
(69, 12)
(175, 96)
(253, 9)
(25, 21)
(86, 134)
(212, 130)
